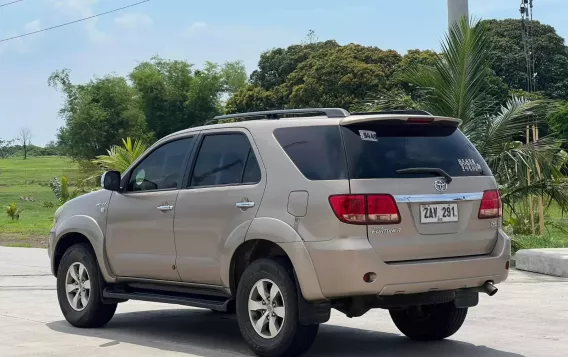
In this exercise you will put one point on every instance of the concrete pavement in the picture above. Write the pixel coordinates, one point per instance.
(528, 317)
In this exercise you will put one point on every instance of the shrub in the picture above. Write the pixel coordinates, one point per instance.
(48, 204)
(61, 189)
(13, 211)
(120, 158)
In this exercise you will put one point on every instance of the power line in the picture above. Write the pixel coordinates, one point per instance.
(10, 3)
(73, 22)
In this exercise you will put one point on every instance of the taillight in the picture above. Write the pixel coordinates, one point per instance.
(365, 209)
(490, 205)
(349, 208)
(382, 209)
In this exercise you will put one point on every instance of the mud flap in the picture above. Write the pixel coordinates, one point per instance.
(466, 298)
(312, 313)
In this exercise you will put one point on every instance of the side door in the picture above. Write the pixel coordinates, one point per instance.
(140, 237)
(223, 194)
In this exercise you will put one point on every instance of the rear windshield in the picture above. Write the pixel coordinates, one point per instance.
(316, 151)
(378, 150)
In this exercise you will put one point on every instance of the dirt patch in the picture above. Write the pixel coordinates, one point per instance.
(20, 240)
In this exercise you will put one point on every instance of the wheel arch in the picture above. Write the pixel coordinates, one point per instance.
(80, 230)
(273, 237)
(247, 253)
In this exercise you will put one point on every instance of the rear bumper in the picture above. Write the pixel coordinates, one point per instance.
(341, 263)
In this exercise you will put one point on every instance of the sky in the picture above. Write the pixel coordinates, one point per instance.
(199, 31)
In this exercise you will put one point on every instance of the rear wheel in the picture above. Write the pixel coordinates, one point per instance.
(429, 322)
(267, 311)
(79, 289)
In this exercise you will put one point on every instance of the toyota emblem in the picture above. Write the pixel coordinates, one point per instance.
(440, 185)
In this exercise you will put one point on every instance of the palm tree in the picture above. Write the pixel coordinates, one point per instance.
(120, 158)
(455, 87)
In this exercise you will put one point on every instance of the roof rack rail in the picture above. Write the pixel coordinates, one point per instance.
(276, 114)
(397, 111)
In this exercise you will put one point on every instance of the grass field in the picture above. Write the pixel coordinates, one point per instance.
(30, 178)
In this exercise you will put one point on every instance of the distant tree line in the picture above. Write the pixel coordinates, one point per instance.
(161, 96)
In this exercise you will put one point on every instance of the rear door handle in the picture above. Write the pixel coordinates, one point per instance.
(246, 204)
(165, 208)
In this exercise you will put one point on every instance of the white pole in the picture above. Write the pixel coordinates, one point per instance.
(457, 9)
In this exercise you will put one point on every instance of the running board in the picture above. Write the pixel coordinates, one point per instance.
(216, 303)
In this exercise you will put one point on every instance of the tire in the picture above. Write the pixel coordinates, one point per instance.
(88, 312)
(429, 323)
(292, 338)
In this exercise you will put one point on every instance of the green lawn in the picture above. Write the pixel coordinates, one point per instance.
(30, 178)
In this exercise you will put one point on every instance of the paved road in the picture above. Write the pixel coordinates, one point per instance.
(528, 317)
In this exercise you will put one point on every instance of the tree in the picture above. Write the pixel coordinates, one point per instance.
(509, 62)
(276, 65)
(412, 59)
(318, 74)
(5, 148)
(234, 76)
(558, 121)
(341, 76)
(163, 86)
(25, 138)
(253, 98)
(98, 114)
(204, 97)
(174, 96)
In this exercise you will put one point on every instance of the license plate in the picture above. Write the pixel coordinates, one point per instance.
(440, 213)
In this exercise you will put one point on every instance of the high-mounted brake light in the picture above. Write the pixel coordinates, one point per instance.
(490, 205)
(420, 120)
(365, 209)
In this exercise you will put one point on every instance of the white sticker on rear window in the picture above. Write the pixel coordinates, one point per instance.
(368, 135)
(469, 165)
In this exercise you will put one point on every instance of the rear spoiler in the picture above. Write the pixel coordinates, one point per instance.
(418, 119)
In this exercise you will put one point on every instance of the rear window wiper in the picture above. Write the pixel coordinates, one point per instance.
(426, 170)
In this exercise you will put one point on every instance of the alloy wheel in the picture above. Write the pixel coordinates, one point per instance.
(266, 308)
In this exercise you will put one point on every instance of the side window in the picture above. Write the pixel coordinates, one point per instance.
(162, 169)
(316, 151)
(225, 159)
(251, 174)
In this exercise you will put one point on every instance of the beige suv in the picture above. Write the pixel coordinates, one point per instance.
(283, 215)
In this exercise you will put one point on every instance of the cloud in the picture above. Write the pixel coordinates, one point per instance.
(80, 9)
(134, 20)
(196, 27)
(20, 45)
(32, 26)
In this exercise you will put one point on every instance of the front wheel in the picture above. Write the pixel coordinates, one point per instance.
(267, 311)
(429, 322)
(79, 289)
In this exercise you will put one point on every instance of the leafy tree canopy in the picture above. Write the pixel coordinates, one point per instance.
(550, 56)
(97, 114)
(316, 74)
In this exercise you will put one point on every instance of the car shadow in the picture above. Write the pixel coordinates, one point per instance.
(209, 334)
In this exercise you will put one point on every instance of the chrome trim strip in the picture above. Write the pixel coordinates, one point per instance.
(445, 197)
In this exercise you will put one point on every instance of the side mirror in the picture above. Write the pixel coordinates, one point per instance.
(110, 180)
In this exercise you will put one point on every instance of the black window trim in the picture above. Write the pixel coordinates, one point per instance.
(125, 179)
(186, 184)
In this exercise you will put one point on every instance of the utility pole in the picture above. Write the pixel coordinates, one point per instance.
(457, 9)
(526, 10)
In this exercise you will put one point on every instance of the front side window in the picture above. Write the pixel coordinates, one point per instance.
(162, 169)
(225, 159)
